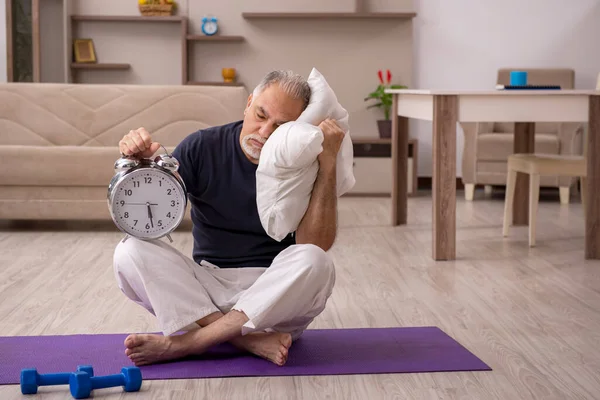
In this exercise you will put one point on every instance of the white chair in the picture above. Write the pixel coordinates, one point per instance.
(542, 164)
(535, 165)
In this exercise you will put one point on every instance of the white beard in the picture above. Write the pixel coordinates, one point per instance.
(249, 148)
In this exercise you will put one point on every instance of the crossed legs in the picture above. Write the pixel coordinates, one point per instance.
(259, 310)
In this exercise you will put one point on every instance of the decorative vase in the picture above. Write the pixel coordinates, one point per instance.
(385, 128)
(228, 75)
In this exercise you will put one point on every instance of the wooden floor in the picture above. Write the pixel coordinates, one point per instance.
(532, 314)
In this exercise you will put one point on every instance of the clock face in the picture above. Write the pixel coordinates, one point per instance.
(147, 204)
(210, 27)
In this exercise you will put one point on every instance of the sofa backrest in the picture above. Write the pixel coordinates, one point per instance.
(51, 114)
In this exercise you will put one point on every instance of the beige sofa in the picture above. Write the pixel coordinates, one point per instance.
(488, 145)
(59, 142)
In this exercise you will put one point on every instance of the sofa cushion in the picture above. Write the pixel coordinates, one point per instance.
(57, 202)
(498, 146)
(58, 165)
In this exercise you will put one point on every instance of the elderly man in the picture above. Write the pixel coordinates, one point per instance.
(241, 286)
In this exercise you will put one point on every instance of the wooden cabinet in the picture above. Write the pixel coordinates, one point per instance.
(373, 166)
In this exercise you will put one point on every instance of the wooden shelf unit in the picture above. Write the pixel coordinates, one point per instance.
(189, 48)
(70, 22)
(76, 18)
(100, 66)
(372, 155)
(361, 11)
(329, 15)
(216, 38)
(187, 40)
(126, 18)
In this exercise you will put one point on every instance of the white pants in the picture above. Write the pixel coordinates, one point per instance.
(285, 297)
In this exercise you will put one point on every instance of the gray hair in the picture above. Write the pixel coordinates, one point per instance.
(291, 83)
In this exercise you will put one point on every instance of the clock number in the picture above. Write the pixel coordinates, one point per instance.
(160, 222)
(128, 192)
(147, 179)
(169, 215)
(147, 226)
(122, 202)
(160, 183)
(126, 215)
(136, 183)
(135, 222)
(169, 192)
(172, 203)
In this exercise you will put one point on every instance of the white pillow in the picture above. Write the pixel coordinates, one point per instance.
(323, 104)
(288, 164)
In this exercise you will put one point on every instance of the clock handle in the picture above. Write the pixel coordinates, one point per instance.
(165, 150)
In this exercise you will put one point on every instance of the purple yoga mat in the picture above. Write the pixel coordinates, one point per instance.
(317, 352)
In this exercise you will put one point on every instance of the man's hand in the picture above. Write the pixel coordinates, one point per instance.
(332, 141)
(138, 143)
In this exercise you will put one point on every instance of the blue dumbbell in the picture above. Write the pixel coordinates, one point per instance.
(31, 379)
(82, 384)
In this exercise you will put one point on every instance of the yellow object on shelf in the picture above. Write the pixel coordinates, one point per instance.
(156, 7)
(228, 75)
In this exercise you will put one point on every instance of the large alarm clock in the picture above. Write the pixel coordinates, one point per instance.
(147, 198)
(209, 26)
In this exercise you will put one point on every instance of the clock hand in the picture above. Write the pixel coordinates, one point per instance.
(141, 204)
(150, 214)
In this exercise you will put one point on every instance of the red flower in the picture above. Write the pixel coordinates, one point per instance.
(380, 74)
(389, 76)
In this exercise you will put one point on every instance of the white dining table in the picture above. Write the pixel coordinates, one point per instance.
(445, 108)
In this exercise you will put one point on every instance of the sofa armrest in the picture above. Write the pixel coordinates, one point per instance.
(570, 136)
(469, 161)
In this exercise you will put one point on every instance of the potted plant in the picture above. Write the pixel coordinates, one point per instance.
(384, 101)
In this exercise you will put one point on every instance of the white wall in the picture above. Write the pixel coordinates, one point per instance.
(3, 76)
(460, 44)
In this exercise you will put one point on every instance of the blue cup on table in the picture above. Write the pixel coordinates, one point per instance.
(518, 78)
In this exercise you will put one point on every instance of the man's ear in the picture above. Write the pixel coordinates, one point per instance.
(248, 103)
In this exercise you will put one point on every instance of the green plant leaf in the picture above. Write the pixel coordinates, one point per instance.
(385, 99)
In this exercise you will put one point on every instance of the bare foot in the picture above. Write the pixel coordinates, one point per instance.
(145, 349)
(272, 346)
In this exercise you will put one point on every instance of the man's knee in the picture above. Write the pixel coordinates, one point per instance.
(132, 258)
(318, 262)
(126, 254)
(127, 264)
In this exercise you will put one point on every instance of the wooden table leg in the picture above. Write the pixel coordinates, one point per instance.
(524, 143)
(592, 206)
(399, 165)
(445, 113)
